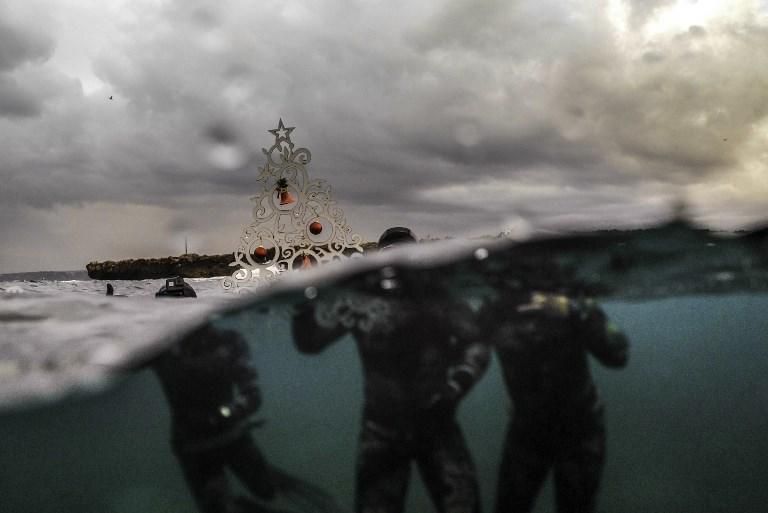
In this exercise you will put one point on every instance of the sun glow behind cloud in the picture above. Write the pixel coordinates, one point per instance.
(683, 14)
(83, 29)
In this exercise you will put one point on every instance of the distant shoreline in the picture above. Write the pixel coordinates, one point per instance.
(45, 276)
(190, 265)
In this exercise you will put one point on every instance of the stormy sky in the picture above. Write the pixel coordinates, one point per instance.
(454, 117)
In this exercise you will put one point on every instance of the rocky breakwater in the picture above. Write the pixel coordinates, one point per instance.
(191, 265)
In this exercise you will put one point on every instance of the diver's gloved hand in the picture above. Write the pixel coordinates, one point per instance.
(459, 379)
(445, 401)
(555, 305)
(560, 305)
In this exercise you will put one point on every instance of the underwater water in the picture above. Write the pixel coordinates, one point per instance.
(686, 419)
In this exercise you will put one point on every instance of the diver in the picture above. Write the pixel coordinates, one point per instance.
(210, 425)
(212, 392)
(176, 287)
(542, 341)
(420, 356)
(111, 291)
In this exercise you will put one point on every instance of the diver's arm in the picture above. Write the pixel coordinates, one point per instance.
(245, 378)
(460, 379)
(601, 337)
(476, 350)
(474, 361)
(309, 335)
(471, 362)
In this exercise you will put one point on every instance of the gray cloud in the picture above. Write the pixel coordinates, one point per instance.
(641, 10)
(16, 101)
(20, 45)
(508, 106)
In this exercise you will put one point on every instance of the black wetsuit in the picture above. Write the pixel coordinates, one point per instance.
(558, 416)
(212, 390)
(420, 355)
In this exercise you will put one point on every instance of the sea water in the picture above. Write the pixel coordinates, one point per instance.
(686, 420)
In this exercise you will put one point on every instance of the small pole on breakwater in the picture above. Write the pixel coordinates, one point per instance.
(185, 246)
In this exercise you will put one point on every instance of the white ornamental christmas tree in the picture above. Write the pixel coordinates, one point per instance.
(296, 223)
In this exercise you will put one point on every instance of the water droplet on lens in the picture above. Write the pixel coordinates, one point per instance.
(481, 253)
(226, 156)
(310, 292)
(8, 369)
(224, 150)
(388, 284)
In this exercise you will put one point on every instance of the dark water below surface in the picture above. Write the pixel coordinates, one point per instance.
(686, 419)
(686, 422)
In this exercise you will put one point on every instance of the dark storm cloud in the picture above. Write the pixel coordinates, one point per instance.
(16, 101)
(488, 87)
(18, 45)
(542, 146)
(221, 133)
(453, 114)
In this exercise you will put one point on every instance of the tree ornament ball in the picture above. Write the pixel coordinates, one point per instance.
(315, 228)
(260, 251)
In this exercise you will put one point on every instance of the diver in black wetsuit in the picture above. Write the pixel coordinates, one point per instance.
(420, 355)
(174, 287)
(212, 392)
(210, 424)
(542, 341)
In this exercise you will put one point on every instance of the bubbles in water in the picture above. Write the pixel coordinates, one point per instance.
(724, 276)
(481, 253)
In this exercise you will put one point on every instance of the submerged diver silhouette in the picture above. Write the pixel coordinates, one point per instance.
(542, 341)
(212, 393)
(420, 356)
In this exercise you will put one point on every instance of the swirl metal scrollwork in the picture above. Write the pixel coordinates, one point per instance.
(296, 222)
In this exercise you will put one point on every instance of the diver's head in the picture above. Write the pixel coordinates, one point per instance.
(176, 287)
(396, 236)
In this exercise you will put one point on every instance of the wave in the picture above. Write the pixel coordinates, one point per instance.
(61, 338)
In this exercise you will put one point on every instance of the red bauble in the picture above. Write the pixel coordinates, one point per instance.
(260, 251)
(315, 227)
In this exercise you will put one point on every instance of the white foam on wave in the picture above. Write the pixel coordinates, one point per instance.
(56, 343)
(59, 337)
